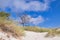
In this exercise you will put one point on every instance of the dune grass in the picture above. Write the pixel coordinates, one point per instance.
(53, 32)
(8, 26)
(36, 29)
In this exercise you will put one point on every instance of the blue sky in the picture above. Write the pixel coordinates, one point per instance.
(43, 13)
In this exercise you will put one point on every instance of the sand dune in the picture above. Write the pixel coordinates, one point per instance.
(29, 35)
(38, 36)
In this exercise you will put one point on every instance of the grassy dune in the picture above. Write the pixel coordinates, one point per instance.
(19, 31)
(9, 26)
(51, 32)
(12, 28)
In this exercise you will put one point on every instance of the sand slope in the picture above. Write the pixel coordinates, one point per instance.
(3, 36)
(38, 36)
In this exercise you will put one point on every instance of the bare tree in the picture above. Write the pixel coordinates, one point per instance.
(25, 19)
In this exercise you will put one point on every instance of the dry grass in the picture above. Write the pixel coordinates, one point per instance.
(12, 28)
(53, 32)
(36, 29)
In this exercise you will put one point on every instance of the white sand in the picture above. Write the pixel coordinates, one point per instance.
(28, 36)
(38, 36)
(3, 36)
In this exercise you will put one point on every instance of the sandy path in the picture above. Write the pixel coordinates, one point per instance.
(37, 36)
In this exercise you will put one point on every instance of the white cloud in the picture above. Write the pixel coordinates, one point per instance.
(36, 20)
(22, 5)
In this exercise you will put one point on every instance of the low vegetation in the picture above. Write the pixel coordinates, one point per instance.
(9, 26)
(15, 30)
(51, 32)
(36, 29)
